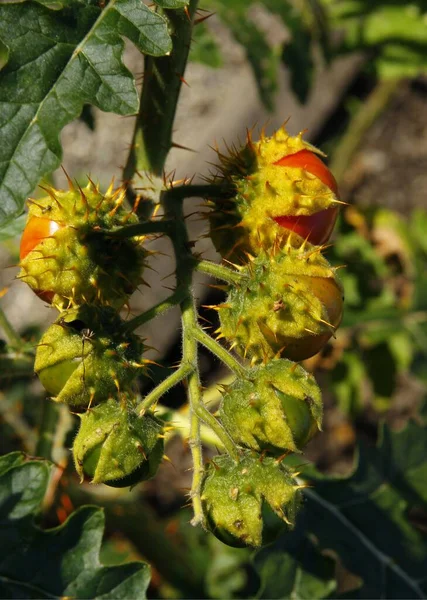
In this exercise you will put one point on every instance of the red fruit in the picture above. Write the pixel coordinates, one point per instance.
(316, 228)
(304, 159)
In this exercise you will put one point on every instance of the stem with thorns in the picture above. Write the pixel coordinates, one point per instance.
(181, 373)
(163, 77)
(203, 338)
(157, 309)
(218, 271)
(200, 191)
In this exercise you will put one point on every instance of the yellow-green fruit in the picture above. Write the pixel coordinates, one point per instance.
(276, 407)
(288, 303)
(68, 254)
(87, 355)
(280, 186)
(250, 502)
(117, 447)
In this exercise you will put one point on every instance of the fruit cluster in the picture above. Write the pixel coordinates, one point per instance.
(285, 306)
(284, 303)
(87, 358)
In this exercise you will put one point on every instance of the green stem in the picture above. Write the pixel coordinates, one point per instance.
(220, 352)
(13, 338)
(218, 271)
(207, 417)
(48, 423)
(163, 77)
(200, 191)
(163, 387)
(137, 229)
(13, 365)
(371, 109)
(156, 310)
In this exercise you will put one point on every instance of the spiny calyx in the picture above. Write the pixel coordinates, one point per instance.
(288, 303)
(276, 407)
(117, 447)
(87, 355)
(249, 502)
(68, 254)
(281, 186)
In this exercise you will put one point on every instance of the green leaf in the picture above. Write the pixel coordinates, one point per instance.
(204, 48)
(13, 228)
(59, 61)
(64, 561)
(293, 567)
(172, 3)
(363, 518)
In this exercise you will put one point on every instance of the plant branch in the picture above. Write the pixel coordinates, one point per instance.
(163, 78)
(156, 310)
(218, 271)
(144, 228)
(219, 352)
(371, 109)
(180, 192)
(162, 388)
(13, 365)
(12, 336)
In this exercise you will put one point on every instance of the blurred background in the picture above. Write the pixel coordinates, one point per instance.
(353, 75)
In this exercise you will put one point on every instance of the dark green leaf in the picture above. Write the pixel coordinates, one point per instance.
(363, 518)
(293, 567)
(64, 561)
(204, 48)
(59, 61)
(172, 3)
(13, 228)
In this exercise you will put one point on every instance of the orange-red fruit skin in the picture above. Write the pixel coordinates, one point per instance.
(316, 228)
(304, 159)
(36, 230)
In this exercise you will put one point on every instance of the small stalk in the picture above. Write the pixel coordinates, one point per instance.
(145, 228)
(218, 271)
(13, 365)
(162, 388)
(180, 192)
(156, 310)
(13, 338)
(48, 424)
(219, 352)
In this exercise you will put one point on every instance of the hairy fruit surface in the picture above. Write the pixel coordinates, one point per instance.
(281, 186)
(275, 408)
(67, 255)
(249, 502)
(117, 447)
(288, 303)
(87, 355)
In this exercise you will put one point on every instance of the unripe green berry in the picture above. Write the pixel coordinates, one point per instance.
(276, 407)
(288, 303)
(88, 355)
(68, 255)
(250, 502)
(117, 447)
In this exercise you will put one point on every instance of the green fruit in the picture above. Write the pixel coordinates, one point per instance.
(116, 446)
(68, 254)
(275, 408)
(88, 355)
(288, 303)
(249, 502)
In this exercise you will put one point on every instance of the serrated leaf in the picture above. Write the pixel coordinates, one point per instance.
(59, 61)
(64, 561)
(363, 518)
(172, 3)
